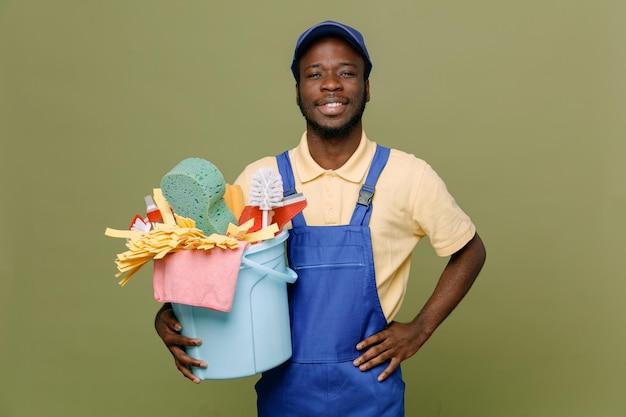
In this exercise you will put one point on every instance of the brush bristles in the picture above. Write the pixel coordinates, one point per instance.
(266, 189)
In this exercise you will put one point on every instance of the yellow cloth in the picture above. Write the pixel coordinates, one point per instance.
(233, 197)
(410, 202)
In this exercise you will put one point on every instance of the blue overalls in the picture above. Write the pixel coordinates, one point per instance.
(333, 305)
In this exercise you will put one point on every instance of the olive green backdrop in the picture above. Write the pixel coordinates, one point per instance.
(518, 105)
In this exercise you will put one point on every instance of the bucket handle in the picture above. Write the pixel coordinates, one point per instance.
(290, 277)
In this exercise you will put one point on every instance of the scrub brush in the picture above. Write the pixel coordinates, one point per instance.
(266, 191)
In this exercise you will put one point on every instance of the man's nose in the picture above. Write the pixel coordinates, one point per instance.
(331, 83)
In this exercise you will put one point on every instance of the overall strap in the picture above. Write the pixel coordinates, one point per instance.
(289, 184)
(363, 209)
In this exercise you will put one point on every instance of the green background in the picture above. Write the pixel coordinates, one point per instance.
(519, 106)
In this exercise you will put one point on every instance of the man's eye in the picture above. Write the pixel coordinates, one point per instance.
(313, 75)
(347, 74)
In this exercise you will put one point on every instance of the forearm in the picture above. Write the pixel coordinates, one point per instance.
(455, 281)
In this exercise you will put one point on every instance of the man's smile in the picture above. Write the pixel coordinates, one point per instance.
(331, 108)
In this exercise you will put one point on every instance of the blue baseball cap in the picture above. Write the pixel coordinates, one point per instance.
(330, 28)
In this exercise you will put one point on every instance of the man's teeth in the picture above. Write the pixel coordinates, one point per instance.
(335, 104)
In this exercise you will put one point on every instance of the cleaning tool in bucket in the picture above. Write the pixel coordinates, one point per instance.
(175, 234)
(266, 196)
(266, 192)
(255, 335)
(291, 206)
(195, 189)
(201, 278)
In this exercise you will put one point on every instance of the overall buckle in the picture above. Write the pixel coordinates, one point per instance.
(365, 195)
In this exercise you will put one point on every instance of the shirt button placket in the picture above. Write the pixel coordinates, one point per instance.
(331, 202)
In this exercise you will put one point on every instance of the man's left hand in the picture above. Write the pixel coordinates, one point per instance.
(399, 341)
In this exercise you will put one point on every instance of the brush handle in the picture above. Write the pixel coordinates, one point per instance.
(265, 218)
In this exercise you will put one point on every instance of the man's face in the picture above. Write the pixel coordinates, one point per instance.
(332, 91)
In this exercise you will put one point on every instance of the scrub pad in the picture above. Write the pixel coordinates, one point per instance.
(195, 189)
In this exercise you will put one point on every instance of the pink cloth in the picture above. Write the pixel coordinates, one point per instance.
(201, 278)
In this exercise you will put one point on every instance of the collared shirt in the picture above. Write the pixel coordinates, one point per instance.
(410, 203)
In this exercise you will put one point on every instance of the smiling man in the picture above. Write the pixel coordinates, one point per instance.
(368, 206)
(332, 95)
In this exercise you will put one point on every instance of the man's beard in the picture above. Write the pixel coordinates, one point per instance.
(339, 132)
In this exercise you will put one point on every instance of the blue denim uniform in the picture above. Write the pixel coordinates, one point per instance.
(333, 305)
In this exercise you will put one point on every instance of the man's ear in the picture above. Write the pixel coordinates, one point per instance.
(297, 93)
(367, 90)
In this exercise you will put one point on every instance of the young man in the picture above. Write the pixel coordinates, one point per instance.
(368, 206)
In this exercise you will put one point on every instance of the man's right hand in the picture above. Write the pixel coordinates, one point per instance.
(168, 328)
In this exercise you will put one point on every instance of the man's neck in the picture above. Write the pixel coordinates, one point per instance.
(332, 153)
